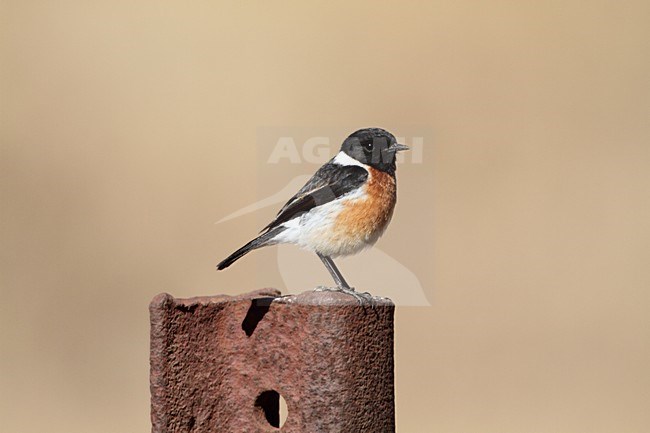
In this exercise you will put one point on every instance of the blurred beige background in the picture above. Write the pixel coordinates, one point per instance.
(128, 128)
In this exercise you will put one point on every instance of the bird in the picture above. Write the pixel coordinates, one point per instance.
(344, 208)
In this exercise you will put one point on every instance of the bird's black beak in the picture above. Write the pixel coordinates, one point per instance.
(396, 147)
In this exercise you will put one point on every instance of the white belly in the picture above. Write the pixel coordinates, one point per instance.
(316, 230)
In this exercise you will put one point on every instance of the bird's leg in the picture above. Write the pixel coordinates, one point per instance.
(335, 273)
(343, 286)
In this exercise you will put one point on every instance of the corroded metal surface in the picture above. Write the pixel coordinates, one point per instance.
(218, 363)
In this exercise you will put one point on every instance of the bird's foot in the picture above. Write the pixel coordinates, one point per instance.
(361, 297)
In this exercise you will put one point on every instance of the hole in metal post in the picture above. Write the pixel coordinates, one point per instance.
(274, 407)
(259, 307)
(284, 410)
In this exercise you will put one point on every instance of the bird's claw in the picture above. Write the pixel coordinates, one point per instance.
(361, 297)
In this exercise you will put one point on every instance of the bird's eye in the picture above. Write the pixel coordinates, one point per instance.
(368, 145)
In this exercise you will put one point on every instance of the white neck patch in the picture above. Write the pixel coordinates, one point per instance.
(343, 158)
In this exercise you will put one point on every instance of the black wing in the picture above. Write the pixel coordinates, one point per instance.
(330, 182)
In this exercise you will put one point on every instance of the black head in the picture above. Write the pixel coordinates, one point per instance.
(374, 147)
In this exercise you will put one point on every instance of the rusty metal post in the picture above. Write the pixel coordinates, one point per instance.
(220, 364)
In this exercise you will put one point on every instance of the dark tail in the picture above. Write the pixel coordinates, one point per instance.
(260, 241)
